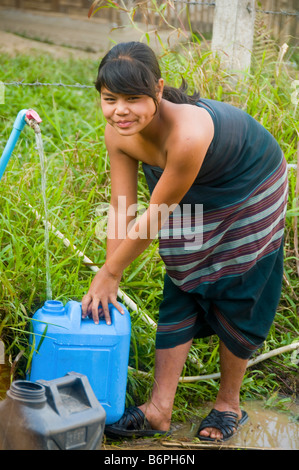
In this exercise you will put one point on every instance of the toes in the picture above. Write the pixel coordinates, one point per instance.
(211, 432)
(205, 432)
(214, 433)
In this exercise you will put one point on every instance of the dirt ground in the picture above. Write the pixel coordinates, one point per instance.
(63, 35)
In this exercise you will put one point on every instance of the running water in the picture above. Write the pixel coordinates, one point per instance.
(40, 148)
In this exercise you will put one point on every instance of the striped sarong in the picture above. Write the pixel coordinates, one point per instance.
(229, 280)
(234, 237)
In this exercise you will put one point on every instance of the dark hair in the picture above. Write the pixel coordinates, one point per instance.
(132, 68)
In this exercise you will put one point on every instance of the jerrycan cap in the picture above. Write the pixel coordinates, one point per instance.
(53, 306)
(27, 392)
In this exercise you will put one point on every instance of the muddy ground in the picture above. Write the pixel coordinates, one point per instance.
(266, 429)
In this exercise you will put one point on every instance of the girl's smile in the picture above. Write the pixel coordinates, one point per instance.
(124, 124)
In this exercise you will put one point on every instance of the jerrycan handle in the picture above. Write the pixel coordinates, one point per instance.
(72, 380)
(74, 310)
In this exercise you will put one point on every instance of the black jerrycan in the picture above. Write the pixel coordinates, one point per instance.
(60, 414)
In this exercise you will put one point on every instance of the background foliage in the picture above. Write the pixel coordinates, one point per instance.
(78, 185)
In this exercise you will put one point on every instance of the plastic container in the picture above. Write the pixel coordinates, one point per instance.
(65, 342)
(62, 414)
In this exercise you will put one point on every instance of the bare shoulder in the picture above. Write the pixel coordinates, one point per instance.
(112, 140)
(119, 146)
(192, 120)
(192, 130)
(122, 165)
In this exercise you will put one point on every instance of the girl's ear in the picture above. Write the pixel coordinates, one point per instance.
(160, 87)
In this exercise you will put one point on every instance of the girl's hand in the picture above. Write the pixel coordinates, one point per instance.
(103, 290)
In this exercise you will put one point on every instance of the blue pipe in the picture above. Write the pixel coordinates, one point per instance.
(10, 145)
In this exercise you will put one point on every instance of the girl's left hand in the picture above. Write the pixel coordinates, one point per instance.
(103, 290)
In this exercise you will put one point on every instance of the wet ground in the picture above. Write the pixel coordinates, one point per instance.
(267, 429)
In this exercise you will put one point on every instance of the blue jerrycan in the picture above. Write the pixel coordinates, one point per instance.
(61, 414)
(64, 342)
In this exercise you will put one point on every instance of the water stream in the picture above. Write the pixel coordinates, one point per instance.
(40, 149)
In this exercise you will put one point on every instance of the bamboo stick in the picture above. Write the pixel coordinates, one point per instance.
(296, 217)
(211, 446)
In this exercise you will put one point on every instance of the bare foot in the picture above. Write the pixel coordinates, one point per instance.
(214, 432)
(159, 419)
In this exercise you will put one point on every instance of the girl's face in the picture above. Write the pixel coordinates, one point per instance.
(128, 114)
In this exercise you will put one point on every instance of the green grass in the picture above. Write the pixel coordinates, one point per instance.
(77, 185)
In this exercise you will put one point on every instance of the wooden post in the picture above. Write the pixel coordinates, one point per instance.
(233, 30)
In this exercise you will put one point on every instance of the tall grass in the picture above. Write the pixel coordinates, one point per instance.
(78, 184)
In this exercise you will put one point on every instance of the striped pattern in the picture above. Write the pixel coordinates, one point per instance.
(236, 336)
(178, 327)
(233, 239)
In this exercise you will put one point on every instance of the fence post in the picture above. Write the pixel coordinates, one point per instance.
(233, 30)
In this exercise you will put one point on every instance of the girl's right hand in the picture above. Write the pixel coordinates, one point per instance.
(103, 290)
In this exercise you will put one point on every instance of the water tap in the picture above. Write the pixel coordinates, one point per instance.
(33, 120)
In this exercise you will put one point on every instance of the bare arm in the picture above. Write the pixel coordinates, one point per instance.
(123, 171)
(183, 164)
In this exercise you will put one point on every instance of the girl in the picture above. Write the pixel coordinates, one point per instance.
(213, 169)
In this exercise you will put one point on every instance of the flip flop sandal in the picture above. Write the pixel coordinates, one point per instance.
(226, 421)
(133, 423)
